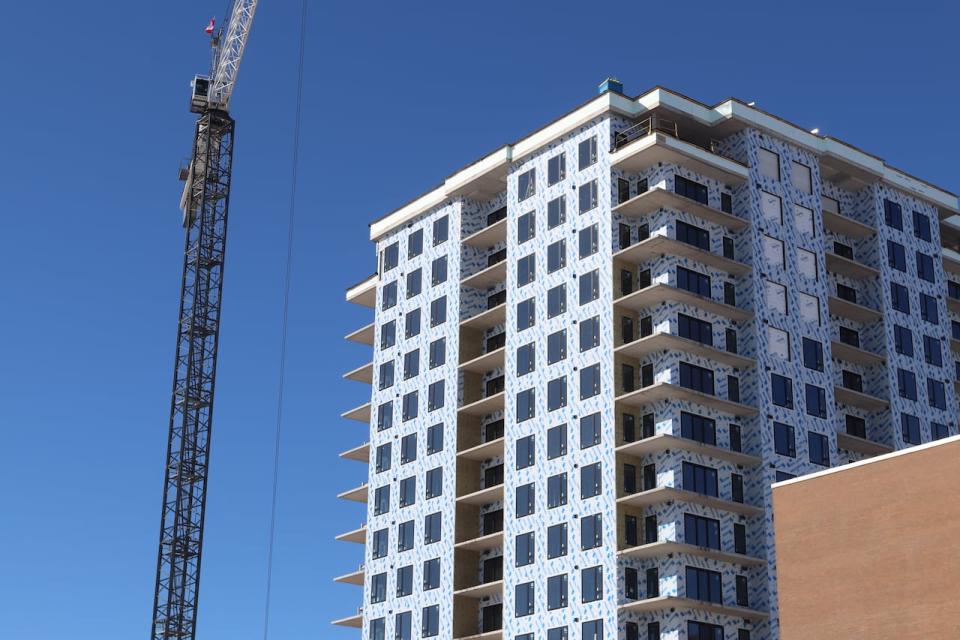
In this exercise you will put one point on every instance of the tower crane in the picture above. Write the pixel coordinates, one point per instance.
(205, 201)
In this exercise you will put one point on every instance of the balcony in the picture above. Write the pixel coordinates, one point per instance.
(486, 542)
(487, 319)
(484, 406)
(484, 451)
(360, 414)
(486, 635)
(849, 353)
(849, 268)
(354, 577)
(483, 496)
(657, 246)
(658, 293)
(486, 278)
(487, 362)
(664, 547)
(357, 494)
(363, 373)
(841, 224)
(483, 590)
(657, 198)
(859, 399)
(867, 447)
(668, 391)
(355, 621)
(360, 454)
(665, 442)
(662, 603)
(358, 535)
(364, 293)
(852, 310)
(364, 335)
(655, 141)
(668, 342)
(489, 236)
(660, 495)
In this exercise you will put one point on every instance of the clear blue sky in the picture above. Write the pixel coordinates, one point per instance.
(93, 123)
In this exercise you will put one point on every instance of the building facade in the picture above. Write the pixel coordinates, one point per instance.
(887, 532)
(596, 349)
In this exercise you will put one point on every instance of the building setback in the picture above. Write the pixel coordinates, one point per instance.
(596, 349)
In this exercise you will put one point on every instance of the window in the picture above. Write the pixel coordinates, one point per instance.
(592, 630)
(380, 543)
(434, 483)
(809, 307)
(800, 177)
(784, 440)
(900, 299)
(771, 208)
(525, 549)
(556, 441)
(556, 300)
(703, 631)
(525, 500)
(557, 540)
(693, 281)
(590, 430)
(803, 220)
(408, 448)
(403, 626)
(903, 340)
(778, 343)
(819, 447)
(807, 264)
(378, 629)
(526, 314)
(383, 458)
(430, 621)
(389, 296)
(438, 271)
(526, 359)
(557, 633)
(816, 401)
(696, 378)
(896, 256)
(556, 212)
(893, 215)
(589, 381)
(907, 384)
(415, 244)
(431, 574)
(411, 364)
(700, 479)
(812, 354)
(408, 491)
(936, 394)
(588, 196)
(434, 439)
(589, 241)
(556, 490)
(557, 592)
(557, 393)
(775, 295)
(692, 235)
(589, 286)
(587, 152)
(412, 324)
(591, 583)
(556, 256)
(591, 482)
(404, 581)
(390, 256)
(378, 588)
(928, 309)
(526, 227)
(701, 531)
(526, 407)
(526, 184)
(438, 311)
(910, 428)
(385, 416)
(526, 453)
(526, 269)
(388, 335)
(694, 329)
(740, 583)
(410, 406)
(925, 267)
(557, 346)
(921, 226)
(699, 428)
(773, 254)
(431, 528)
(385, 377)
(939, 430)
(381, 500)
(768, 164)
(931, 351)
(690, 189)
(556, 168)
(591, 531)
(703, 584)
(589, 333)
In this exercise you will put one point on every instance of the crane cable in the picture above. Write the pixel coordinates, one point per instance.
(286, 308)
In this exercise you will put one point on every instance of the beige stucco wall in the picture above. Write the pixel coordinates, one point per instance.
(872, 550)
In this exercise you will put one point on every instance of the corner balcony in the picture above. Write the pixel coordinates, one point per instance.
(657, 342)
(358, 535)
(845, 226)
(666, 547)
(357, 494)
(354, 577)
(850, 268)
(859, 399)
(364, 293)
(658, 245)
(852, 310)
(657, 198)
(355, 621)
(865, 446)
(668, 391)
(850, 353)
(363, 373)
(656, 141)
(659, 293)
(666, 442)
(363, 335)
(660, 495)
(360, 454)
(671, 603)
(360, 414)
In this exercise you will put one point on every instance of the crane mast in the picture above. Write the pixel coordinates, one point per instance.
(205, 203)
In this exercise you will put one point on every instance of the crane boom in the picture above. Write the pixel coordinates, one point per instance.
(205, 205)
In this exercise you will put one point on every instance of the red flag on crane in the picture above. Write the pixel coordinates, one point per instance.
(209, 28)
